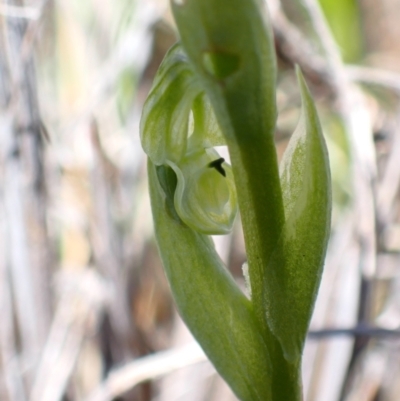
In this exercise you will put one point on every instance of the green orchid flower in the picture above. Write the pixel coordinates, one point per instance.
(179, 129)
(218, 87)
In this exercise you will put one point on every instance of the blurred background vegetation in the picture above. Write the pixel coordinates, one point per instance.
(83, 297)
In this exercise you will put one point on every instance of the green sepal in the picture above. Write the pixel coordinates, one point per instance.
(165, 118)
(165, 122)
(210, 302)
(205, 197)
(206, 130)
(294, 272)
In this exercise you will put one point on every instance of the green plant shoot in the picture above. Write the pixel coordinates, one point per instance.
(217, 87)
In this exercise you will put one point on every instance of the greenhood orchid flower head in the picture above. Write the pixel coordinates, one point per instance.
(179, 129)
(225, 70)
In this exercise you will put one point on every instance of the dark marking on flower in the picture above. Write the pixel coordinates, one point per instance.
(217, 164)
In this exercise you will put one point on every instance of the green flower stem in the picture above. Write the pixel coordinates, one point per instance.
(216, 34)
(254, 174)
(231, 48)
(224, 74)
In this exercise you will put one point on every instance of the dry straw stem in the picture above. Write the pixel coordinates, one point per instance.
(132, 51)
(11, 11)
(294, 46)
(375, 76)
(83, 298)
(12, 379)
(25, 199)
(151, 367)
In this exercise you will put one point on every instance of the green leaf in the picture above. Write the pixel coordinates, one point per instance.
(211, 304)
(294, 271)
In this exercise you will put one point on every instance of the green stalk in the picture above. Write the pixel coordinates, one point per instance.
(231, 47)
(226, 76)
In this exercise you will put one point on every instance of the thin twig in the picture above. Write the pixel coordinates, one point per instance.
(11, 11)
(390, 181)
(123, 379)
(26, 198)
(375, 76)
(11, 369)
(132, 51)
(326, 39)
(361, 330)
(107, 245)
(295, 47)
(26, 309)
(150, 367)
(83, 298)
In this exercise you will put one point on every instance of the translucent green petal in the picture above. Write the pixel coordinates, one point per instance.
(205, 197)
(165, 116)
(206, 129)
(164, 126)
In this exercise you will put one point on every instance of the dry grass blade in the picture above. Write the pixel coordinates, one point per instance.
(82, 299)
(150, 367)
(375, 76)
